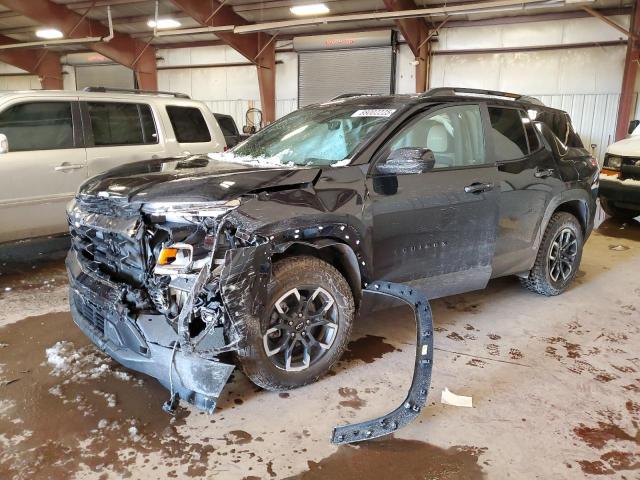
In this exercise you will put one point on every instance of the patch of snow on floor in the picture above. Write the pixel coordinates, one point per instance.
(61, 356)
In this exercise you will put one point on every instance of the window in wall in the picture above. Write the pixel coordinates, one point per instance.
(188, 124)
(453, 134)
(507, 132)
(121, 124)
(38, 126)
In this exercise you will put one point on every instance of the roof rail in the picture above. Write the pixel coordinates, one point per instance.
(452, 91)
(349, 95)
(134, 90)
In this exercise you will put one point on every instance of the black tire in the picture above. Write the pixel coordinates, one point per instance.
(303, 273)
(615, 212)
(546, 278)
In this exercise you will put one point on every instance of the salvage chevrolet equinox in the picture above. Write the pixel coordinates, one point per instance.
(181, 267)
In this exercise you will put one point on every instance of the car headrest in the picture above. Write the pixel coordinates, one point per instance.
(438, 139)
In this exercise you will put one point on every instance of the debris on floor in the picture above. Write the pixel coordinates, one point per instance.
(449, 398)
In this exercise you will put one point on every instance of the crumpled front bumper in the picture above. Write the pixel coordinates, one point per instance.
(145, 343)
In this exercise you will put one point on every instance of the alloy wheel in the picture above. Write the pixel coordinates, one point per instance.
(562, 255)
(303, 326)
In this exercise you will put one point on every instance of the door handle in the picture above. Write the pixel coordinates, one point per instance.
(543, 172)
(478, 187)
(65, 167)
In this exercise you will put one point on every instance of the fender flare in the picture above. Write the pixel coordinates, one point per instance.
(557, 201)
(351, 268)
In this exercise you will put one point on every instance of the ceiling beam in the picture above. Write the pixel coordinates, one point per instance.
(416, 34)
(123, 49)
(259, 48)
(43, 63)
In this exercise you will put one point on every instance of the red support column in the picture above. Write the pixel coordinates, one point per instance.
(629, 75)
(258, 48)
(267, 82)
(50, 72)
(415, 33)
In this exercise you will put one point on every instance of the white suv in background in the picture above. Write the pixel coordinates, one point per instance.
(52, 141)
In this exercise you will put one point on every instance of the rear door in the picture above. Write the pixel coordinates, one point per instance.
(45, 165)
(437, 229)
(196, 130)
(528, 180)
(119, 132)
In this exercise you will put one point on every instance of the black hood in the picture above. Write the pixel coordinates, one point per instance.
(192, 179)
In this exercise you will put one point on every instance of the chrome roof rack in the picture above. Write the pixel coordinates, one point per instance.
(134, 90)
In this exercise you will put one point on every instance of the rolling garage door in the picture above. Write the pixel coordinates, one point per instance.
(324, 75)
(326, 71)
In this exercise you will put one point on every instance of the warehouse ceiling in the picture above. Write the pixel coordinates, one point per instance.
(132, 17)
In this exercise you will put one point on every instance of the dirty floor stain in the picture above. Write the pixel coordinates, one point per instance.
(397, 458)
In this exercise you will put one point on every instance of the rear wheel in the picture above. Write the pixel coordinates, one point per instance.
(304, 328)
(615, 212)
(558, 258)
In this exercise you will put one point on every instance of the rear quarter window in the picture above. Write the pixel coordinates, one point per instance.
(188, 124)
(228, 126)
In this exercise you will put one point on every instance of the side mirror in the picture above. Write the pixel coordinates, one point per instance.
(632, 126)
(407, 161)
(4, 143)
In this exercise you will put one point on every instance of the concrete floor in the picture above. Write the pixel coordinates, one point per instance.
(555, 385)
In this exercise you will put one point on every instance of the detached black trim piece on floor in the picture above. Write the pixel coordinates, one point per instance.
(417, 396)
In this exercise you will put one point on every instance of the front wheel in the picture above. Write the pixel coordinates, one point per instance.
(305, 326)
(558, 258)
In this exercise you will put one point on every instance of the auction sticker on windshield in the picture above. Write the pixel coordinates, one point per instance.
(385, 112)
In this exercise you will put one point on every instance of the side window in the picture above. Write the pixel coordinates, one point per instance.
(507, 132)
(38, 126)
(453, 134)
(228, 126)
(188, 124)
(532, 137)
(121, 124)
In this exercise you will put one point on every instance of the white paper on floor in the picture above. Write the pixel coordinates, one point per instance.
(449, 398)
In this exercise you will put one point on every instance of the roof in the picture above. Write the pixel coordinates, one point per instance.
(96, 95)
(439, 95)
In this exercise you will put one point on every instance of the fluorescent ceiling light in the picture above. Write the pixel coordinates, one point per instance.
(164, 23)
(310, 9)
(49, 33)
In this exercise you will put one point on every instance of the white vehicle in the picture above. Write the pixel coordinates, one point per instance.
(619, 190)
(52, 141)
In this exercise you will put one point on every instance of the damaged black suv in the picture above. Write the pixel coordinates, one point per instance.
(261, 254)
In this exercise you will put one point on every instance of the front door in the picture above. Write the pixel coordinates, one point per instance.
(437, 229)
(45, 165)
